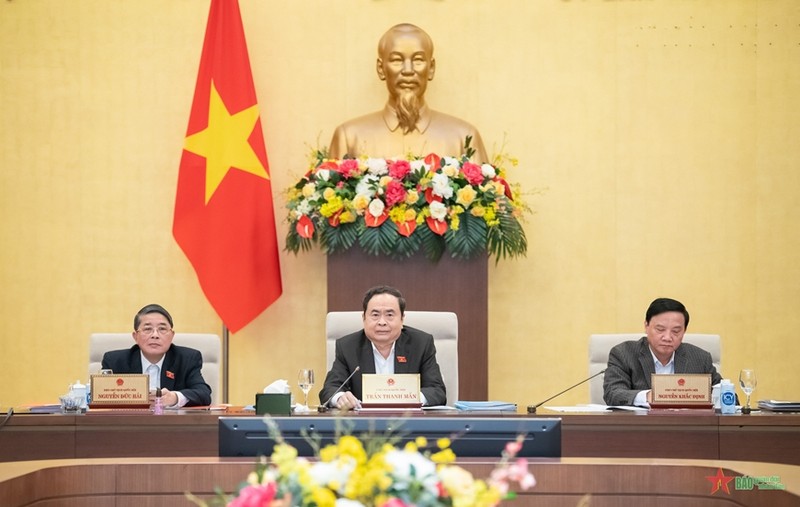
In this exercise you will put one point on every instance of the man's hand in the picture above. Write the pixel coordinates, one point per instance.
(348, 401)
(168, 398)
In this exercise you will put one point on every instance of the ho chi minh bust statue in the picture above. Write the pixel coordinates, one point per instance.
(406, 124)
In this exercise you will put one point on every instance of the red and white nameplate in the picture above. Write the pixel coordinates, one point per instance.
(399, 390)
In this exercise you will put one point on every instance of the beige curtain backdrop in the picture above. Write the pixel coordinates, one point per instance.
(657, 140)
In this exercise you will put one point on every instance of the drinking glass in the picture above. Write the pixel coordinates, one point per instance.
(305, 379)
(747, 381)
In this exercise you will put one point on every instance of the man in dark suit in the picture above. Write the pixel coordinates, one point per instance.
(630, 364)
(383, 346)
(175, 370)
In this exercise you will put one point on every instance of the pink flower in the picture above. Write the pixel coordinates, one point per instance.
(348, 168)
(394, 193)
(394, 502)
(472, 172)
(399, 169)
(512, 448)
(255, 496)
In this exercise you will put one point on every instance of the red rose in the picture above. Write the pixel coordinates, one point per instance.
(394, 193)
(472, 172)
(348, 168)
(399, 169)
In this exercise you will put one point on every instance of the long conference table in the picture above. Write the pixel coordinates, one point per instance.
(119, 458)
(765, 437)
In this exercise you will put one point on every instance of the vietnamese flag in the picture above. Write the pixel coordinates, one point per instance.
(224, 220)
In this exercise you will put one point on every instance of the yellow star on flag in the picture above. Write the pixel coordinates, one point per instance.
(224, 143)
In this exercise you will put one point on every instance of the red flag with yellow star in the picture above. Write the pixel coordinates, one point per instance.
(224, 219)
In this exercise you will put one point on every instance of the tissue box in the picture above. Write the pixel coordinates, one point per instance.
(274, 404)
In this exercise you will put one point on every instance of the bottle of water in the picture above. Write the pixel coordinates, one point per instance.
(158, 404)
(727, 397)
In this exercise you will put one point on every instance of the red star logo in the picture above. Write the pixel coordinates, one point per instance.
(719, 481)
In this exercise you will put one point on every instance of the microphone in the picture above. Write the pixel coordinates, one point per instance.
(324, 406)
(532, 408)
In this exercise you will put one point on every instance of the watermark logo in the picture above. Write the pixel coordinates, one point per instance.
(722, 482)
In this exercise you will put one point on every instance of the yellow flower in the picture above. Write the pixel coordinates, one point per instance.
(328, 193)
(410, 214)
(455, 221)
(331, 207)
(412, 196)
(398, 214)
(385, 180)
(466, 195)
(444, 456)
(478, 211)
(323, 497)
(347, 217)
(443, 443)
(361, 202)
(309, 189)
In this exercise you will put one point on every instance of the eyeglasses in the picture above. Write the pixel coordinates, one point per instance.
(161, 330)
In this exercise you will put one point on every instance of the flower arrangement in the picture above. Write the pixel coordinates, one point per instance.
(397, 207)
(348, 474)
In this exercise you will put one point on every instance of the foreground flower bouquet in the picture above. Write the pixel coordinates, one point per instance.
(348, 474)
(397, 207)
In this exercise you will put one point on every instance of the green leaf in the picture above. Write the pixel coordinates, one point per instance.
(432, 244)
(379, 240)
(338, 239)
(470, 238)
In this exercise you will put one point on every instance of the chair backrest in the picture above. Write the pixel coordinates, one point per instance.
(208, 344)
(601, 344)
(442, 325)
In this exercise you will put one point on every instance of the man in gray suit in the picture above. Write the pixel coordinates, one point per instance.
(630, 364)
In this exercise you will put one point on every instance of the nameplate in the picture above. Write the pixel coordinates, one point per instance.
(681, 390)
(123, 390)
(399, 390)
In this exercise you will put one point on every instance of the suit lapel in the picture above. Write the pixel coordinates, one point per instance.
(168, 369)
(366, 359)
(646, 360)
(680, 360)
(401, 352)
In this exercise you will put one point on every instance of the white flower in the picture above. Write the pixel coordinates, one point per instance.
(438, 210)
(411, 467)
(377, 166)
(488, 171)
(376, 207)
(441, 186)
(324, 473)
(346, 502)
(304, 207)
(367, 185)
(324, 174)
(419, 165)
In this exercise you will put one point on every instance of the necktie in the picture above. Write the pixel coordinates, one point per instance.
(152, 370)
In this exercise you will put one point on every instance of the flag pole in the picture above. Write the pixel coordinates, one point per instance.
(225, 336)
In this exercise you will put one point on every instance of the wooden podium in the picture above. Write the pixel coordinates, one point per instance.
(450, 285)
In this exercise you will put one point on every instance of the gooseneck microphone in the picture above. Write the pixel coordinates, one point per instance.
(324, 407)
(532, 408)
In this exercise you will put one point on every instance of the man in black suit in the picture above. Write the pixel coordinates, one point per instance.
(630, 364)
(383, 346)
(176, 370)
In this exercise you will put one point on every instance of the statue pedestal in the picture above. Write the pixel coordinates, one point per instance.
(451, 285)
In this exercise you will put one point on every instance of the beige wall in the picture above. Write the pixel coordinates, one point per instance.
(658, 142)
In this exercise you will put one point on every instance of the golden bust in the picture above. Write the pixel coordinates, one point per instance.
(406, 125)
